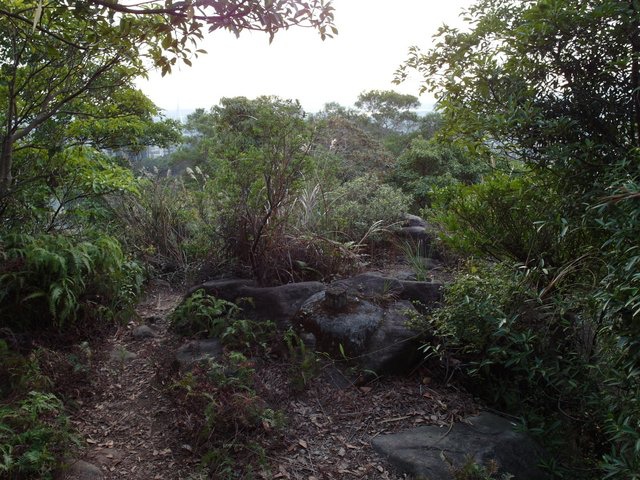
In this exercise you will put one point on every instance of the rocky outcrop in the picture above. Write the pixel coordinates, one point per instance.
(425, 295)
(376, 336)
(434, 453)
(197, 351)
(278, 304)
(365, 318)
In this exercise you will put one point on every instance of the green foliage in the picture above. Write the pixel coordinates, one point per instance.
(474, 471)
(343, 136)
(305, 363)
(364, 208)
(527, 354)
(55, 280)
(389, 110)
(33, 434)
(427, 165)
(415, 258)
(205, 315)
(65, 191)
(515, 217)
(260, 157)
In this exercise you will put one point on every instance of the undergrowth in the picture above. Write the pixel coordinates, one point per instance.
(55, 281)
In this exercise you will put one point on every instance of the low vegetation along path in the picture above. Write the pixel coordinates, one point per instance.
(132, 429)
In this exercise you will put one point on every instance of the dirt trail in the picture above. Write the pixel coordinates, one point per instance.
(132, 430)
(129, 424)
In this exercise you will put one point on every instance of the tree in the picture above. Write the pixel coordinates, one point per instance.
(554, 84)
(388, 110)
(258, 156)
(343, 133)
(426, 165)
(56, 53)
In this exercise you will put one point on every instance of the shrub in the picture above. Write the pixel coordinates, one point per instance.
(514, 218)
(426, 166)
(529, 354)
(205, 315)
(173, 225)
(33, 435)
(54, 280)
(364, 208)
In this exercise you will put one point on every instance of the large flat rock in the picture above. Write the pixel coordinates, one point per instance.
(431, 453)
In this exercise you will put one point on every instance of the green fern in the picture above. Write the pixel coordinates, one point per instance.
(47, 280)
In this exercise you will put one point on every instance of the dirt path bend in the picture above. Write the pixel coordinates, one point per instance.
(129, 425)
(132, 430)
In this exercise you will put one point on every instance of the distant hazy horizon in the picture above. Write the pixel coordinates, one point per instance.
(181, 114)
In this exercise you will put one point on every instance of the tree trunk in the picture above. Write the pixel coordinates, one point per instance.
(6, 160)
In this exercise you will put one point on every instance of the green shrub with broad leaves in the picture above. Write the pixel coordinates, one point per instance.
(514, 217)
(528, 354)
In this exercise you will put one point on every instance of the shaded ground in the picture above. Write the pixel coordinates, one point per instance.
(128, 425)
(133, 430)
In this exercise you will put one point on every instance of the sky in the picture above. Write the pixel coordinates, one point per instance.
(374, 38)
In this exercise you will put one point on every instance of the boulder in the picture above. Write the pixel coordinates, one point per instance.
(433, 452)
(414, 221)
(226, 289)
(278, 304)
(143, 331)
(416, 231)
(81, 470)
(375, 335)
(196, 351)
(377, 287)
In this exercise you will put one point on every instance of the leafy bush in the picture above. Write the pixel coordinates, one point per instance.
(33, 435)
(428, 165)
(54, 280)
(528, 353)
(205, 315)
(364, 208)
(505, 217)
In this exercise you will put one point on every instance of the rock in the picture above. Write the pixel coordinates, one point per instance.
(375, 335)
(377, 287)
(81, 470)
(197, 351)
(121, 354)
(486, 437)
(143, 331)
(393, 347)
(278, 304)
(417, 231)
(414, 221)
(226, 289)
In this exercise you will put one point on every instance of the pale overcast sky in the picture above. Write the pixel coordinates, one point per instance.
(374, 37)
